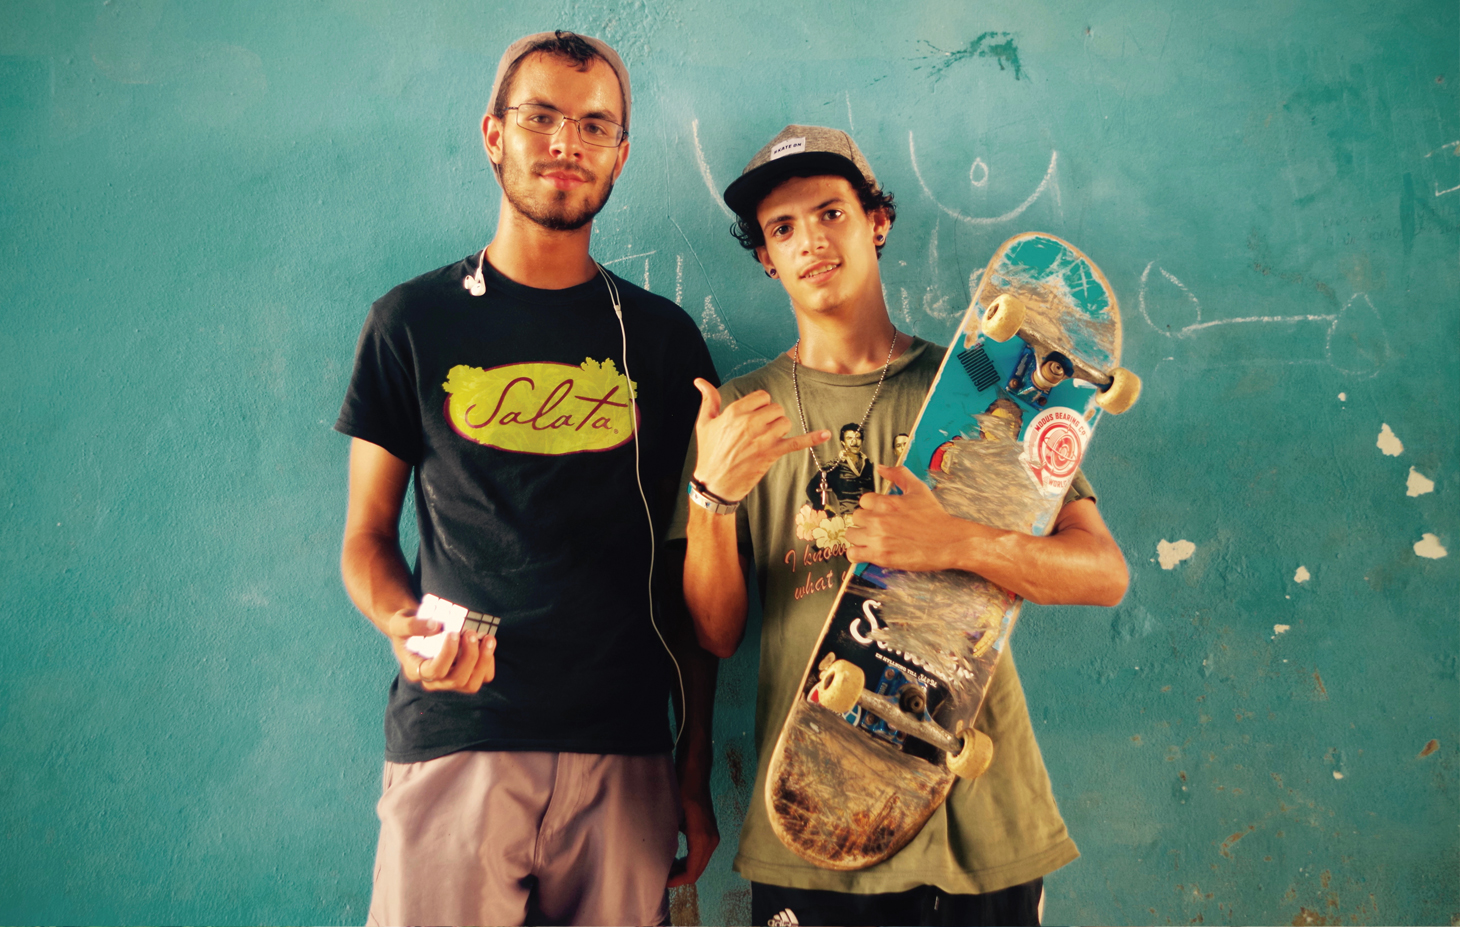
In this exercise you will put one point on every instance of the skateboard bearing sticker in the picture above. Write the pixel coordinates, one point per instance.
(1054, 444)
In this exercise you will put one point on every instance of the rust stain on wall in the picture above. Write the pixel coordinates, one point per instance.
(735, 765)
(1430, 747)
(1232, 840)
(1322, 691)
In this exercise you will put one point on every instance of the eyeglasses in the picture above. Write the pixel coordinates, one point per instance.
(544, 120)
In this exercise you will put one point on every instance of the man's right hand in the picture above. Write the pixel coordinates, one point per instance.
(737, 444)
(466, 662)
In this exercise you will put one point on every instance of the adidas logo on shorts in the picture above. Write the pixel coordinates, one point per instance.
(787, 918)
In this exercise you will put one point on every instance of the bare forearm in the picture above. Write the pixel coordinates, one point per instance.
(376, 577)
(714, 582)
(1070, 567)
(1078, 563)
(698, 669)
(694, 754)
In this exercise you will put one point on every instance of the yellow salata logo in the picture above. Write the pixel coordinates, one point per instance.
(542, 408)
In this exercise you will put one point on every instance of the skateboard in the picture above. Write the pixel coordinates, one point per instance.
(884, 724)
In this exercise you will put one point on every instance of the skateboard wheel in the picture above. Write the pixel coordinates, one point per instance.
(1121, 394)
(1003, 319)
(839, 687)
(974, 759)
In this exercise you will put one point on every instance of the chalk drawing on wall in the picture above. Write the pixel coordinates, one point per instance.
(1048, 183)
(1354, 339)
(1429, 547)
(1453, 148)
(704, 166)
(631, 257)
(679, 285)
(1389, 443)
(1173, 552)
(713, 327)
(214, 82)
(1418, 484)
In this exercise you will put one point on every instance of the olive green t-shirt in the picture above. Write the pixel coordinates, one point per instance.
(999, 830)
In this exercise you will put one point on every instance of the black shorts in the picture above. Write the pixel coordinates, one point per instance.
(925, 905)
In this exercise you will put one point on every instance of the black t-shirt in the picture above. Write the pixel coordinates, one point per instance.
(513, 410)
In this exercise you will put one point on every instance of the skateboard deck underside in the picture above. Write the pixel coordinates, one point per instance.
(848, 791)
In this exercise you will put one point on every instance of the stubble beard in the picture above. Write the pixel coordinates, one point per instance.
(555, 214)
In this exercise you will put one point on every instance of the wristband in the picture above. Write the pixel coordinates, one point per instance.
(715, 505)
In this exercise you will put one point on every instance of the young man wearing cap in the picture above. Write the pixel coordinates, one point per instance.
(760, 479)
(543, 406)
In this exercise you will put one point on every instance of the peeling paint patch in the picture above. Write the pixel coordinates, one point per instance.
(1302, 575)
(1388, 442)
(1419, 484)
(684, 905)
(1173, 553)
(1337, 774)
(1343, 397)
(1430, 747)
(1428, 547)
(1281, 629)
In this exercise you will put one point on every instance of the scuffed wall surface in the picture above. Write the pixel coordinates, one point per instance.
(200, 201)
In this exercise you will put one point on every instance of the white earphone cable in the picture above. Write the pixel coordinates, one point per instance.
(639, 480)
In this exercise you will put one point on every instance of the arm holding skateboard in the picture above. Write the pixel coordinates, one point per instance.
(735, 446)
(379, 583)
(1078, 563)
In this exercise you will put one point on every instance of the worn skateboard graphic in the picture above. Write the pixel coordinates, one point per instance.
(884, 722)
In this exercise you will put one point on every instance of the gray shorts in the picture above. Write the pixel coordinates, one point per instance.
(514, 838)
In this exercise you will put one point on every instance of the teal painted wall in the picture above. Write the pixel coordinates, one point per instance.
(199, 202)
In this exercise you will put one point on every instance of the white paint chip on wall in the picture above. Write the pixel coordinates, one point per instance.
(1419, 484)
(1343, 397)
(1429, 547)
(1281, 629)
(1388, 443)
(1302, 576)
(1173, 553)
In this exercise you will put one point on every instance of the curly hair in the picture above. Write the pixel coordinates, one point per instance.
(748, 232)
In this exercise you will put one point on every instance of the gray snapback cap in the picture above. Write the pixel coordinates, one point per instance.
(520, 47)
(797, 151)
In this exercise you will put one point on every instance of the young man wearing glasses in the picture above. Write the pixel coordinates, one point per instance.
(543, 406)
(763, 490)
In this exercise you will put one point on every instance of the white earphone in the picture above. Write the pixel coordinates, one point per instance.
(476, 284)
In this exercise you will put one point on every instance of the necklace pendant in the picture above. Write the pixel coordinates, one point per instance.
(823, 490)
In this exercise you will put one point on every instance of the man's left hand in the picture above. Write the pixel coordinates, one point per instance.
(906, 532)
(701, 833)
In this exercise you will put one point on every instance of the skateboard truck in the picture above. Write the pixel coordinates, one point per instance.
(1119, 388)
(842, 687)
